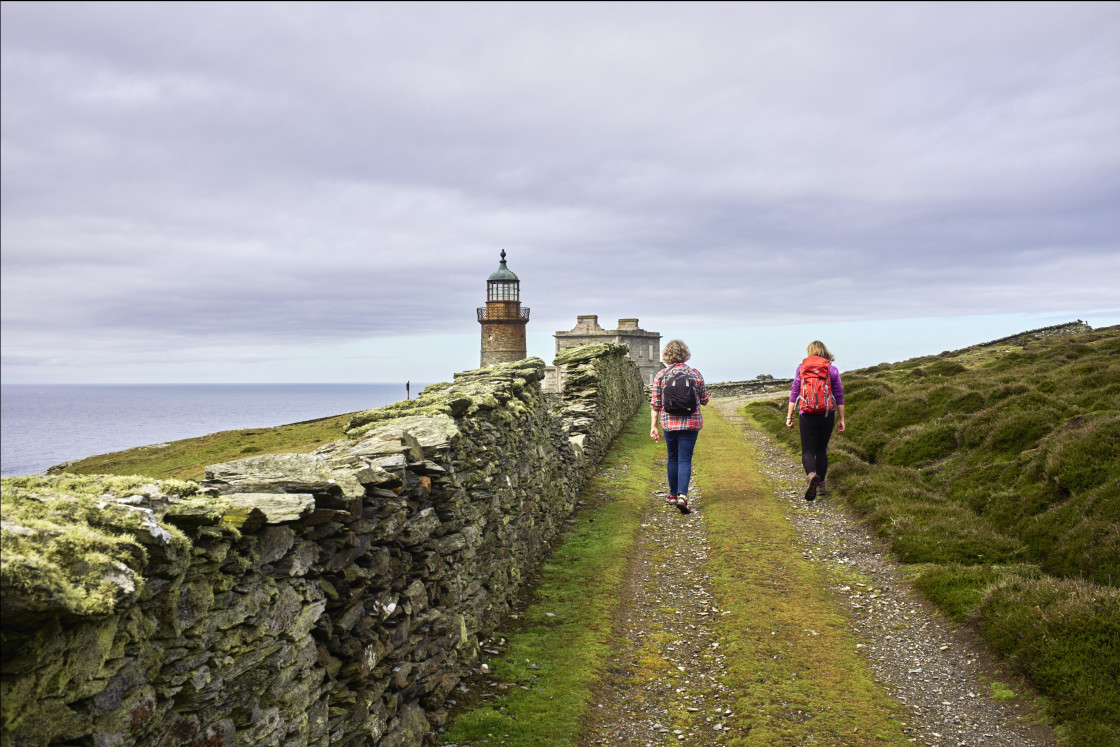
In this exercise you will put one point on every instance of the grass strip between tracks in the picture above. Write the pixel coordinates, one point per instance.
(789, 654)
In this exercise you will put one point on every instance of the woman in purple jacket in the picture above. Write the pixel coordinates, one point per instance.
(816, 427)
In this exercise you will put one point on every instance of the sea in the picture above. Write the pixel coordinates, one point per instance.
(45, 425)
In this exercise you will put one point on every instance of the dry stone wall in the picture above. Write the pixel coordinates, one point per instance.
(760, 385)
(1069, 328)
(336, 597)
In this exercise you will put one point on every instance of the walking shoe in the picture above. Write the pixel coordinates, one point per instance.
(822, 491)
(670, 500)
(682, 504)
(811, 491)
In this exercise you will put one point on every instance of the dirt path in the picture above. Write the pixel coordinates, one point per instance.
(667, 682)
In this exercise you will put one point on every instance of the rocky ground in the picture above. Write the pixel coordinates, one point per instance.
(941, 675)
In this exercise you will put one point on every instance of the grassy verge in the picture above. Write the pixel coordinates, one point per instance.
(187, 459)
(995, 473)
(562, 642)
(790, 655)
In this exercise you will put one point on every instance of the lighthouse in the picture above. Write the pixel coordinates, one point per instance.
(503, 319)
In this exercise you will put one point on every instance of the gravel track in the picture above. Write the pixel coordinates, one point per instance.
(665, 683)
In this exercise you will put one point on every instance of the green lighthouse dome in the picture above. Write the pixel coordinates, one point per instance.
(503, 272)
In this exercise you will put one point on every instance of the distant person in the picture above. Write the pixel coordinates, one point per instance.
(407, 394)
(678, 392)
(818, 395)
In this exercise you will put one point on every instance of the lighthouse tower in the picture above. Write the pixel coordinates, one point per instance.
(503, 319)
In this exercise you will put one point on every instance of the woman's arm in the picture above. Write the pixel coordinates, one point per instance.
(653, 422)
(840, 424)
(794, 392)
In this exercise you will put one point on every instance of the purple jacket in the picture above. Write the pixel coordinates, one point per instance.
(837, 386)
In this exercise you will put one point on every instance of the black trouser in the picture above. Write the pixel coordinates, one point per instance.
(816, 429)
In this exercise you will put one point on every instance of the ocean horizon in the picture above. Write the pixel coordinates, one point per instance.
(47, 424)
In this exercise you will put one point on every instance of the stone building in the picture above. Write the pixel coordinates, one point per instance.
(503, 319)
(644, 347)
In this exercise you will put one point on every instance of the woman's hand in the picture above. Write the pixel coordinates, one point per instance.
(789, 422)
(653, 432)
(840, 426)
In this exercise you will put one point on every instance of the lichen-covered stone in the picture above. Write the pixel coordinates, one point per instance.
(300, 599)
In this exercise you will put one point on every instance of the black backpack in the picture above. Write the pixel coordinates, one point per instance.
(679, 396)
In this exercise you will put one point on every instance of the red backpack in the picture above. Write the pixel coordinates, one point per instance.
(816, 386)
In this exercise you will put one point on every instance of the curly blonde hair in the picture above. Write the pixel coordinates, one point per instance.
(816, 347)
(675, 351)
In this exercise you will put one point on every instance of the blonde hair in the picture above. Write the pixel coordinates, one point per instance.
(675, 351)
(816, 347)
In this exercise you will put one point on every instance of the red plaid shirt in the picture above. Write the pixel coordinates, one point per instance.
(669, 421)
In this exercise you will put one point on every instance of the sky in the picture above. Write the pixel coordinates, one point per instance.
(290, 192)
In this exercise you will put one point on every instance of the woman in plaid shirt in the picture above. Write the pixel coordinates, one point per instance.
(681, 430)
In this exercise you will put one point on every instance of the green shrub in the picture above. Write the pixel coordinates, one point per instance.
(867, 486)
(1048, 386)
(1072, 542)
(901, 413)
(1085, 453)
(1097, 399)
(1066, 636)
(866, 390)
(1076, 350)
(1008, 390)
(841, 445)
(921, 444)
(966, 403)
(945, 368)
(1013, 361)
(1111, 345)
(979, 429)
(1012, 432)
(940, 532)
(975, 486)
(915, 363)
(958, 589)
(940, 395)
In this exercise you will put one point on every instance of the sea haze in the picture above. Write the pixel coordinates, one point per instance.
(44, 425)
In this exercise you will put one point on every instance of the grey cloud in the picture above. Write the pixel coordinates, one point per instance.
(300, 173)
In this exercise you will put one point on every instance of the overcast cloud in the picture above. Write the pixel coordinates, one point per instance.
(187, 187)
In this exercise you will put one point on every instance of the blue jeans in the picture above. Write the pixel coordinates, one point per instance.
(679, 466)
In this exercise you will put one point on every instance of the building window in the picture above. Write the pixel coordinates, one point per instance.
(501, 290)
(651, 354)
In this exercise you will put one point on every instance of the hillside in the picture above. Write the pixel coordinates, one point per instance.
(994, 471)
(187, 458)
